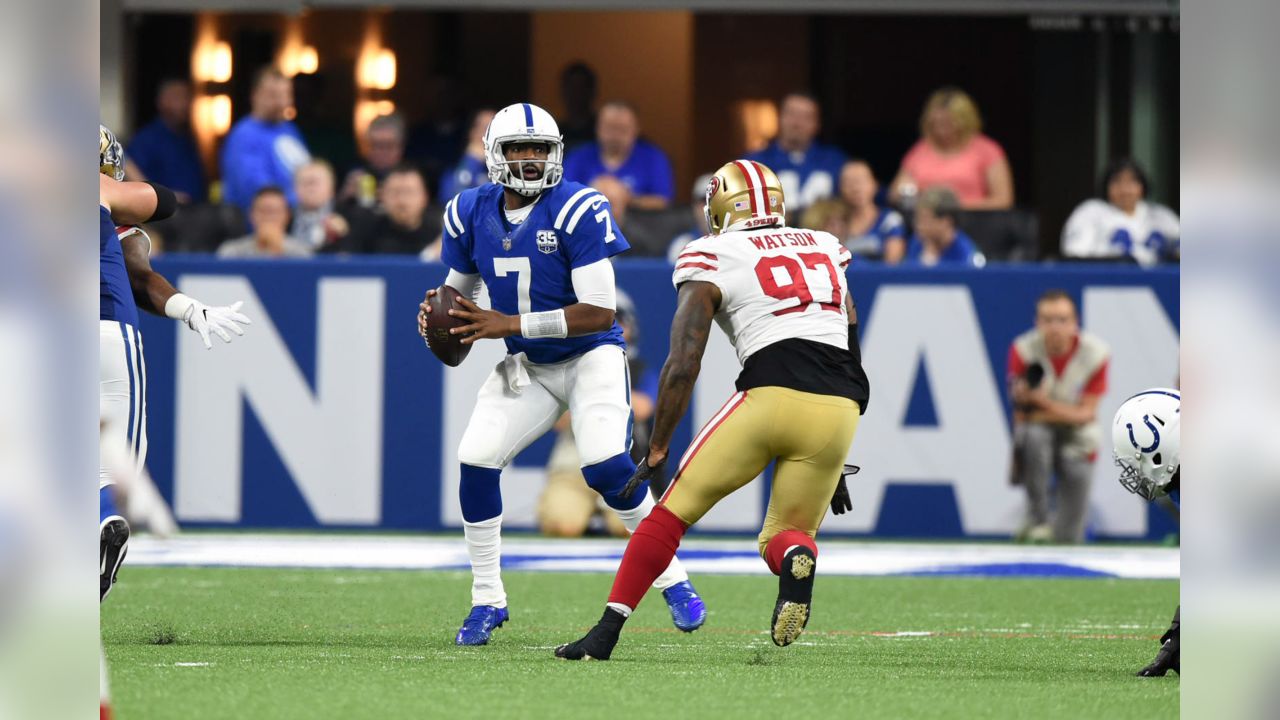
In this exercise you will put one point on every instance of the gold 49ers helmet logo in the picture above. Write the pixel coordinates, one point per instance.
(713, 186)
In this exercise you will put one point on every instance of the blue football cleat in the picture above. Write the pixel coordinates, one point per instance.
(688, 612)
(480, 624)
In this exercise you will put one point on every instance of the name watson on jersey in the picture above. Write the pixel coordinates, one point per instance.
(792, 239)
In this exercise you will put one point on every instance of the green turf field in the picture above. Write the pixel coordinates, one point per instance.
(250, 643)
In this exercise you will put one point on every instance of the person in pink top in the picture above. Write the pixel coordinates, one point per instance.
(952, 151)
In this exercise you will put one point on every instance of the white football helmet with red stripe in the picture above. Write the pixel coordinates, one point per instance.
(743, 195)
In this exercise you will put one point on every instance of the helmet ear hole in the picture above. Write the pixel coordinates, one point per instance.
(1156, 459)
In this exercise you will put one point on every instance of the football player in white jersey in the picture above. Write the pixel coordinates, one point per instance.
(1146, 439)
(780, 295)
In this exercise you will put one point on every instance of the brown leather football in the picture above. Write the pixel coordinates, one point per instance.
(448, 348)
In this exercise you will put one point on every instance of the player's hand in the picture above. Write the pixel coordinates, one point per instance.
(484, 323)
(841, 502)
(424, 308)
(644, 473)
(221, 321)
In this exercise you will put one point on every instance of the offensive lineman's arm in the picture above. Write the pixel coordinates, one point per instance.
(132, 203)
(154, 294)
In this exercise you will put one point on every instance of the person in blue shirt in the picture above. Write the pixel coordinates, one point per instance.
(164, 150)
(937, 239)
(542, 245)
(618, 151)
(470, 171)
(873, 231)
(807, 169)
(263, 148)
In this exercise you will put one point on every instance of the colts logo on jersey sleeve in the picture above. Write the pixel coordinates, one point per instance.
(547, 241)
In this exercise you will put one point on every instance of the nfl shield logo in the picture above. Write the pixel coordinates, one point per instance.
(506, 244)
(547, 242)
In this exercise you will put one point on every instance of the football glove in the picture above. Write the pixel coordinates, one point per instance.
(644, 473)
(203, 319)
(841, 503)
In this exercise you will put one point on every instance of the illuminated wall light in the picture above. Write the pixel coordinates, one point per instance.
(216, 63)
(212, 114)
(308, 60)
(759, 119)
(377, 69)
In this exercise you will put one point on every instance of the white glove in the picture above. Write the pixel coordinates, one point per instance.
(202, 318)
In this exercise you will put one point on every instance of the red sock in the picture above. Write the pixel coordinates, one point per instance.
(778, 545)
(649, 552)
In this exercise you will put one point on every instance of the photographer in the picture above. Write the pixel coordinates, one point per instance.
(1057, 374)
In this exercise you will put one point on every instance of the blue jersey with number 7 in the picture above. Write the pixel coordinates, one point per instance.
(528, 267)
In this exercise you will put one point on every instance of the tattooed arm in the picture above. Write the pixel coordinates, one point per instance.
(697, 304)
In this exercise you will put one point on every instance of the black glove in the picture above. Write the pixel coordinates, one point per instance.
(841, 503)
(643, 474)
(1170, 655)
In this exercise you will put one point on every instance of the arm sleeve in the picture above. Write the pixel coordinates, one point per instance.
(697, 262)
(591, 233)
(594, 285)
(893, 225)
(465, 283)
(455, 248)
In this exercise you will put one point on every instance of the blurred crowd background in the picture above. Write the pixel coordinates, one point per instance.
(910, 137)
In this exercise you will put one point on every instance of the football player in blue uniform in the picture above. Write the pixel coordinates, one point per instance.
(126, 283)
(1146, 439)
(542, 246)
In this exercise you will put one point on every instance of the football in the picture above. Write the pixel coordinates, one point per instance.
(448, 348)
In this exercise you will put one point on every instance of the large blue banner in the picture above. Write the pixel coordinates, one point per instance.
(330, 412)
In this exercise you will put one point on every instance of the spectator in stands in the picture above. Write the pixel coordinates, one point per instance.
(952, 152)
(1057, 374)
(164, 150)
(263, 148)
(406, 225)
(567, 504)
(385, 139)
(937, 240)
(578, 93)
(618, 195)
(873, 231)
(807, 169)
(269, 215)
(1124, 225)
(316, 222)
(619, 151)
(471, 170)
(830, 215)
(697, 206)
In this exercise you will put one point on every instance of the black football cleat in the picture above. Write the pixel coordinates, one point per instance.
(113, 545)
(598, 644)
(1167, 659)
(795, 596)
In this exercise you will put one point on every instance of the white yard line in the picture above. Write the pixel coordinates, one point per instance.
(595, 555)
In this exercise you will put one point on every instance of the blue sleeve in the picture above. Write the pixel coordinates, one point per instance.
(245, 170)
(456, 249)
(660, 181)
(893, 226)
(596, 235)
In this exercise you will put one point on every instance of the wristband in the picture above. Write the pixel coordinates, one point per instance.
(179, 307)
(544, 324)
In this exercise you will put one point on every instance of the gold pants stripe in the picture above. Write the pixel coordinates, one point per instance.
(808, 436)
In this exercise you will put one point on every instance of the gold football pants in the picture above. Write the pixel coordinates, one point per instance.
(809, 436)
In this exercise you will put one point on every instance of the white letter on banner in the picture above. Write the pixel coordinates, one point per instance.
(1144, 354)
(969, 449)
(330, 440)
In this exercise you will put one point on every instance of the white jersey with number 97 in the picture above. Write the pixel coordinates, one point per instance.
(776, 283)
